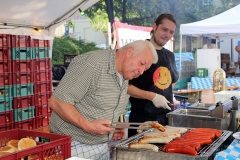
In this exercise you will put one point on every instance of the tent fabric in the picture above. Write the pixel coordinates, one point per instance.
(224, 25)
(44, 14)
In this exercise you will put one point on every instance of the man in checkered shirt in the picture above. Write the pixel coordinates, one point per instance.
(93, 93)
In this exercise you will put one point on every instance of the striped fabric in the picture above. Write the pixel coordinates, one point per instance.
(206, 83)
(91, 84)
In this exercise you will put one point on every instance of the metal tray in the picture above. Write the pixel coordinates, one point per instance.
(122, 152)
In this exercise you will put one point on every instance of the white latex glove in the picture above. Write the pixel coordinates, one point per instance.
(160, 101)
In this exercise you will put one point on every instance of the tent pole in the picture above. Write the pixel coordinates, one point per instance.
(180, 57)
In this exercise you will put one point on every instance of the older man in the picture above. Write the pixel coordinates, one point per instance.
(93, 93)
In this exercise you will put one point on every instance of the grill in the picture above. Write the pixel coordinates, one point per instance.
(122, 152)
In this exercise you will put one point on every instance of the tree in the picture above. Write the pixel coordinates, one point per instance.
(144, 12)
(62, 45)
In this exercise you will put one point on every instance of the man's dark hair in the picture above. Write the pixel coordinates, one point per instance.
(162, 17)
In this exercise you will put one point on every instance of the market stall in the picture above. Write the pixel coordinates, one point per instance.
(27, 31)
(221, 26)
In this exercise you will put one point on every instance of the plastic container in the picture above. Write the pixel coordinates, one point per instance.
(22, 53)
(5, 54)
(225, 95)
(6, 104)
(29, 124)
(23, 90)
(49, 145)
(24, 113)
(5, 92)
(41, 52)
(23, 102)
(6, 118)
(5, 79)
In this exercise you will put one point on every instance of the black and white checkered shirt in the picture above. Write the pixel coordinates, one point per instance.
(91, 84)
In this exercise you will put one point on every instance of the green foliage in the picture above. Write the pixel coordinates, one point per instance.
(144, 12)
(62, 46)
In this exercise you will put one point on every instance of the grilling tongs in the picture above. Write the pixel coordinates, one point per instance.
(141, 126)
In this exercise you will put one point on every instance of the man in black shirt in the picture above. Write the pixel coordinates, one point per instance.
(152, 91)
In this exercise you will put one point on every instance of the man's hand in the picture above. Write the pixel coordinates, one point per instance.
(98, 127)
(118, 134)
(160, 101)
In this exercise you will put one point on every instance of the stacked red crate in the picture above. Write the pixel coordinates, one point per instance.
(42, 81)
(6, 111)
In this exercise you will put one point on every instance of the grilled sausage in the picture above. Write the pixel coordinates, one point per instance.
(181, 149)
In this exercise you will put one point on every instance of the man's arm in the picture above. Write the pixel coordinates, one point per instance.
(70, 114)
(139, 93)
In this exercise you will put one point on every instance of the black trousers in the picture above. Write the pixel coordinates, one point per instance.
(137, 117)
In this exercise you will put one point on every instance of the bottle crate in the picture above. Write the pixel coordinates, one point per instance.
(23, 102)
(42, 75)
(23, 78)
(22, 66)
(42, 87)
(6, 104)
(5, 66)
(21, 41)
(24, 114)
(40, 43)
(42, 64)
(42, 99)
(6, 117)
(5, 40)
(6, 127)
(42, 121)
(6, 92)
(41, 52)
(5, 79)
(29, 124)
(23, 90)
(5, 54)
(22, 53)
(42, 110)
(49, 146)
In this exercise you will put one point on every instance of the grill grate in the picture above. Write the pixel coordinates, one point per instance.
(205, 151)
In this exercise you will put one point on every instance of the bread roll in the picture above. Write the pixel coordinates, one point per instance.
(13, 143)
(7, 149)
(25, 143)
(3, 153)
(143, 146)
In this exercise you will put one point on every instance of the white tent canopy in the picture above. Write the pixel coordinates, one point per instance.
(224, 25)
(24, 15)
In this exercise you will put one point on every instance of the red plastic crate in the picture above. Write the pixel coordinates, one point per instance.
(5, 40)
(23, 78)
(40, 43)
(43, 75)
(7, 127)
(42, 110)
(42, 64)
(42, 121)
(42, 99)
(29, 124)
(48, 144)
(5, 54)
(5, 79)
(22, 66)
(21, 41)
(6, 117)
(42, 87)
(5, 66)
(23, 102)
